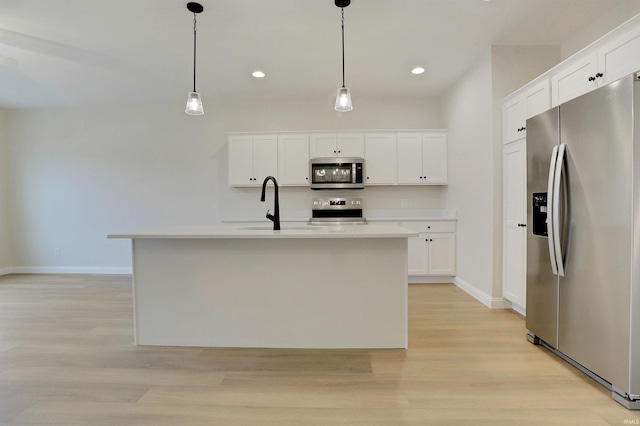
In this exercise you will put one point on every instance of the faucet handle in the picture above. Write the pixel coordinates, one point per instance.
(270, 216)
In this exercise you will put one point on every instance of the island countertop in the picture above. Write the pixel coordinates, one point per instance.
(266, 231)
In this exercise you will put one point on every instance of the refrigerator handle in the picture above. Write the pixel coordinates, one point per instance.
(556, 208)
(550, 210)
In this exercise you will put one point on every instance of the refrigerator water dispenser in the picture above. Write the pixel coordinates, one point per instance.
(539, 213)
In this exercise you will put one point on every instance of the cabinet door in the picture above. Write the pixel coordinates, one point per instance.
(515, 234)
(323, 145)
(265, 157)
(381, 158)
(241, 160)
(513, 119)
(417, 251)
(620, 57)
(350, 145)
(536, 100)
(513, 270)
(575, 80)
(410, 158)
(435, 159)
(442, 254)
(293, 159)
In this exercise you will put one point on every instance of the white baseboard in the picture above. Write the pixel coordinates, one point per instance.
(501, 303)
(6, 271)
(485, 299)
(67, 270)
(417, 279)
(519, 309)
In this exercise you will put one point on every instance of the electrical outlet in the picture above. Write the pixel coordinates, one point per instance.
(56, 251)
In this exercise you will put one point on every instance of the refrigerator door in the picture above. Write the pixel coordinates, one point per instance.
(594, 294)
(542, 283)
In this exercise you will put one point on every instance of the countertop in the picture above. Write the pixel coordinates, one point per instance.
(391, 216)
(266, 231)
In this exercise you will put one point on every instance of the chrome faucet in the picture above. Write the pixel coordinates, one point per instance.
(275, 218)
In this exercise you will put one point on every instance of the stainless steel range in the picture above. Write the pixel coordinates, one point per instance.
(337, 211)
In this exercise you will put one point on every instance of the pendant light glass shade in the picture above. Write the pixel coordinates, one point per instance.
(194, 104)
(343, 100)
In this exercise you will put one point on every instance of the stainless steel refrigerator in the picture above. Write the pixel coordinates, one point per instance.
(583, 239)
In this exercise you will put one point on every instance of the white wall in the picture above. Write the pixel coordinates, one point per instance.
(605, 23)
(6, 259)
(469, 113)
(473, 112)
(80, 174)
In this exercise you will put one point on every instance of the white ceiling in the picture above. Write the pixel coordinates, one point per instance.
(94, 52)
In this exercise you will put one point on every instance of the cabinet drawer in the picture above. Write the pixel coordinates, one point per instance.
(430, 226)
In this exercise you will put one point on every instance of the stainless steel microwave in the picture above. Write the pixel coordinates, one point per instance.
(337, 173)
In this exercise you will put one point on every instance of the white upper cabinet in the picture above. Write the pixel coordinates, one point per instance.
(537, 99)
(265, 157)
(620, 57)
(381, 158)
(336, 145)
(435, 159)
(391, 157)
(410, 158)
(293, 159)
(611, 61)
(574, 80)
(252, 158)
(518, 109)
(351, 145)
(423, 158)
(513, 119)
(323, 145)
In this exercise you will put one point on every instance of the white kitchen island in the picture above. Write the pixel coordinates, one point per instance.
(301, 287)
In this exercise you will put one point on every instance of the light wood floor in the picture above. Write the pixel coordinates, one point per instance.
(67, 357)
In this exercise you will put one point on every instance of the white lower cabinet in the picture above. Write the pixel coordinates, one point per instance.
(433, 251)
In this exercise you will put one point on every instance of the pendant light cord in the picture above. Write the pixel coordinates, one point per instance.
(194, 52)
(343, 47)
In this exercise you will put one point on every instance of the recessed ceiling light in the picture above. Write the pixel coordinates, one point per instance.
(258, 74)
(417, 70)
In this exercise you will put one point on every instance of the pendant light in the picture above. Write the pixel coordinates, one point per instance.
(194, 103)
(343, 100)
